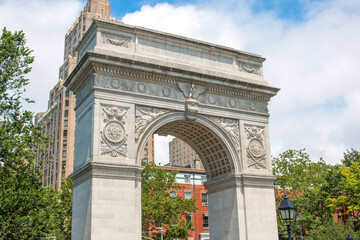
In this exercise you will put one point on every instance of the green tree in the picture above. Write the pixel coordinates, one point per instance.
(331, 231)
(27, 211)
(349, 198)
(351, 156)
(304, 181)
(160, 208)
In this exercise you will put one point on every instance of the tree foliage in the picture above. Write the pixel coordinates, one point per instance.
(27, 211)
(159, 208)
(319, 190)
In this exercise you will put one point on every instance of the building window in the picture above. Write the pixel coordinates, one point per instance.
(203, 179)
(83, 27)
(65, 133)
(145, 152)
(65, 123)
(63, 174)
(66, 113)
(188, 218)
(205, 221)
(187, 178)
(66, 103)
(204, 199)
(67, 94)
(173, 194)
(64, 143)
(63, 165)
(64, 153)
(84, 20)
(187, 195)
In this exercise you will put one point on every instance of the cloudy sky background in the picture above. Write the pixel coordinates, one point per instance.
(312, 50)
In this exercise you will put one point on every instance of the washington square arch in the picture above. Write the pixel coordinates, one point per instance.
(131, 82)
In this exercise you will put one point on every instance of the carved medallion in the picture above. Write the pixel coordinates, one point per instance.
(115, 83)
(256, 147)
(232, 103)
(141, 87)
(114, 132)
(166, 92)
(113, 135)
(256, 152)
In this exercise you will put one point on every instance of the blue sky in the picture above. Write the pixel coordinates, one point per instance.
(312, 51)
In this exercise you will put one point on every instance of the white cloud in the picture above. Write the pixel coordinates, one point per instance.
(45, 23)
(313, 61)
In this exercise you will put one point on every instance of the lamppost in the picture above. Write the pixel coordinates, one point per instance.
(349, 237)
(287, 212)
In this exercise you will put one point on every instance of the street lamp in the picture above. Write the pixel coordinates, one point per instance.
(349, 237)
(287, 212)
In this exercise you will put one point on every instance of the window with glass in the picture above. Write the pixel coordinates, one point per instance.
(187, 195)
(205, 221)
(66, 123)
(65, 133)
(204, 199)
(203, 179)
(64, 143)
(66, 103)
(187, 178)
(145, 152)
(188, 218)
(66, 113)
(67, 94)
(64, 153)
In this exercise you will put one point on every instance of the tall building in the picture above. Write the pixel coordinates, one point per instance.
(181, 154)
(59, 120)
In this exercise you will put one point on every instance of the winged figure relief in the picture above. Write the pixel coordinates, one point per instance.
(191, 90)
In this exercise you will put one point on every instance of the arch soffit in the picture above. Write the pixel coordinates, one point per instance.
(217, 152)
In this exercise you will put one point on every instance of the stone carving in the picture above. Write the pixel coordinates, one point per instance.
(113, 136)
(258, 106)
(249, 67)
(255, 148)
(191, 109)
(231, 127)
(181, 91)
(145, 115)
(191, 90)
(116, 40)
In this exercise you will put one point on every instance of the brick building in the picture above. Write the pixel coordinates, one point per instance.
(192, 180)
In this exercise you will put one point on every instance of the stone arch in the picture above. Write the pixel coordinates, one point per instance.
(208, 95)
(217, 153)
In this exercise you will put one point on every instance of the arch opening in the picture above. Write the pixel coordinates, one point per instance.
(211, 148)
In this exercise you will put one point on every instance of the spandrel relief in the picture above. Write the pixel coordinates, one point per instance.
(145, 115)
(231, 127)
